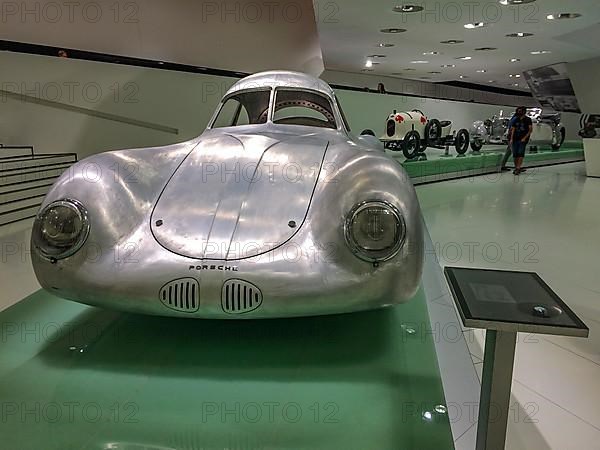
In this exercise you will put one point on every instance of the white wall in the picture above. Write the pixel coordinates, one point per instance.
(174, 99)
(425, 88)
(367, 110)
(183, 101)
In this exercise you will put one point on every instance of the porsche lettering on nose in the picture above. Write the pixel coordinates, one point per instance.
(213, 267)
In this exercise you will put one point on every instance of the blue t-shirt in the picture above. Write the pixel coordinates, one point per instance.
(521, 126)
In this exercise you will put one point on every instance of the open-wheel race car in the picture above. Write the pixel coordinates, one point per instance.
(275, 210)
(547, 130)
(412, 132)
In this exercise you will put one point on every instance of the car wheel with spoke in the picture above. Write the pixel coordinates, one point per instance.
(411, 145)
(461, 141)
(476, 145)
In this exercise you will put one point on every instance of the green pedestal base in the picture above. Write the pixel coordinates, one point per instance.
(73, 376)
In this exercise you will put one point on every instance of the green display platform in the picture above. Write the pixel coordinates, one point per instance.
(437, 168)
(77, 377)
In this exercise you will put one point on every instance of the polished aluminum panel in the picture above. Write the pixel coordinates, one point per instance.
(231, 186)
(279, 195)
(280, 78)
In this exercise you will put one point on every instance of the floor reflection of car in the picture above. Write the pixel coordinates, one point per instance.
(547, 130)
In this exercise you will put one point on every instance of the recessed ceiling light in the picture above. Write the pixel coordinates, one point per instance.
(516, 84)
(519, 34)
(513, 60)
(472, 26)
(464, 58)
(393, 30)
(517, 75)
(419, 62)
(515, 2)
(561, 16)
(431, 53)
(486, 49)
(385, 44)
(452, 41)
(481, 71)
(463, 76)
(448, 65)
(368, 63)
(491, 81)
(540, 52)
(407, 8)
(377, 56)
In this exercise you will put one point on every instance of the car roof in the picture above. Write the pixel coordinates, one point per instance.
(282, 78)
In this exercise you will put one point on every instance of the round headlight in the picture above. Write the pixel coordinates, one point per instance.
(375, 230)
(60, 229)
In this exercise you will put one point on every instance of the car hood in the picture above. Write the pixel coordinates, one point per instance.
(238, 195)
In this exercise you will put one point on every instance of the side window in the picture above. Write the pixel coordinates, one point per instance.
(245, 108)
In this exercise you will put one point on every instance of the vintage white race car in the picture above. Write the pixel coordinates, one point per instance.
(276, 210)
(547, 130)
(412, 132)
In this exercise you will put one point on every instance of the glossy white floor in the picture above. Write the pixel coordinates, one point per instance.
(547, 221)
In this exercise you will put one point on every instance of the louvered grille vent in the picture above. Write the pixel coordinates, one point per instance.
(239, 296)
(181, 295)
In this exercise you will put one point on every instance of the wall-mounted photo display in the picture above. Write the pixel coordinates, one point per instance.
(590, 126)
(551, 86)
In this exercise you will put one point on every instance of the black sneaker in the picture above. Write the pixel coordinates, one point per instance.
(516, 172)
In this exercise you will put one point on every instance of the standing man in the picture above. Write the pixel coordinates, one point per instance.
(520, 128)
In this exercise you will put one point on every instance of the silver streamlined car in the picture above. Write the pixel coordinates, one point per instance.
(547, 130)
(275, 210)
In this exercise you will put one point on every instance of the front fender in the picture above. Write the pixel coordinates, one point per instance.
(118, 190)
(364, 177)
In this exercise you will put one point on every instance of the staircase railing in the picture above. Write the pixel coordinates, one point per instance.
(25, 178)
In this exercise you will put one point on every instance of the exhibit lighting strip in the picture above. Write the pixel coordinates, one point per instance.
(45, 50)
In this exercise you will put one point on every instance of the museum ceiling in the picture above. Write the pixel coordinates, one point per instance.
(350, 34)
(483, 42)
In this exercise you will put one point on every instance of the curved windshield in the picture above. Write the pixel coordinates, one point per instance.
(243, 108)
(299, 107)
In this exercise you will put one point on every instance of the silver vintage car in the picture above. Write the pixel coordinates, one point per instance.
(275, 210)
(547, 130)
